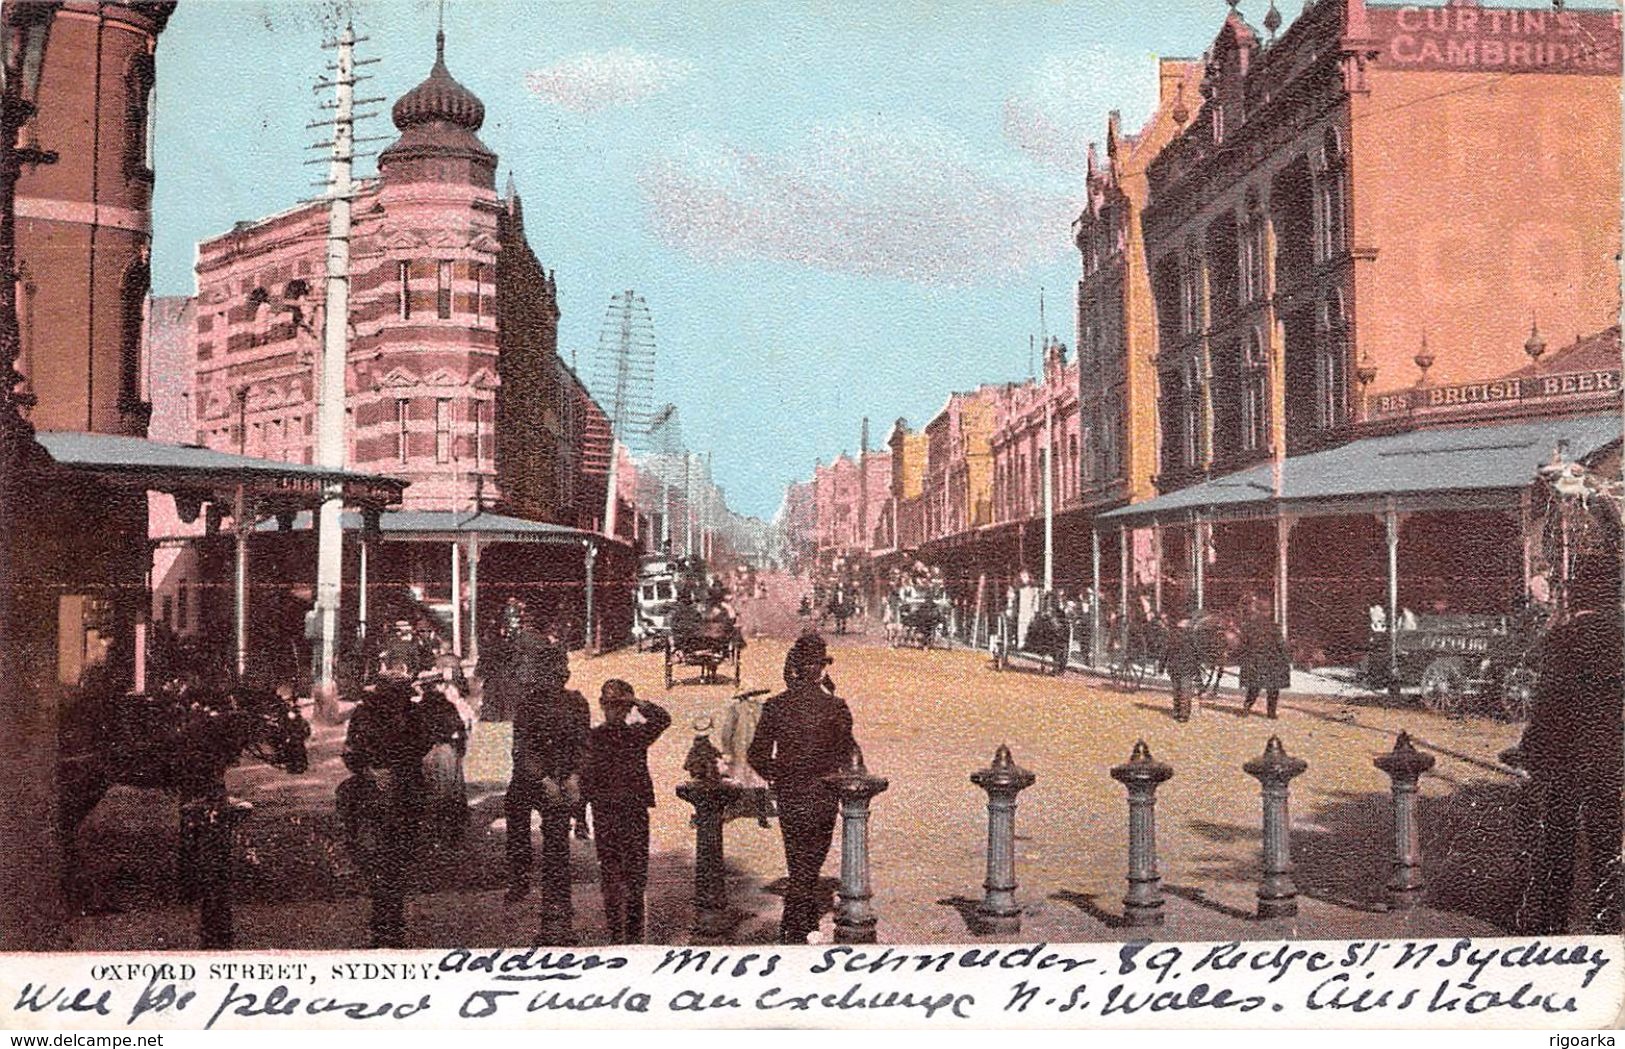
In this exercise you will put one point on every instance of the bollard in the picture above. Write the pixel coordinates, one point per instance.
(1274, 770)
(1404, 766)
(1002, 781)
(1142, 774)
(710, 796)
(854, 786)
(210, 823)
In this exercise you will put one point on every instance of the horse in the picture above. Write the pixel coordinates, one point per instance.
(180, 740)
(840, 606)
(1049, 637)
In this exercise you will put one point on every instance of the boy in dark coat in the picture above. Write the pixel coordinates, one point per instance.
(615, 782)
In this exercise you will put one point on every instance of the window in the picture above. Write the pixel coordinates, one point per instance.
(479, 433)
(479, 291)
(1191, 293)
(1331, 378)
(1255, 412)
(442, 290)
(1329, 198)
(400, 429)
(442, 430)
(183, 607)
(1194, 420)
(1254, 253)
(403, 291)
(140, 122)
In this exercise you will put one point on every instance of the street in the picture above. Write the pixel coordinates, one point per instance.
(925, 721)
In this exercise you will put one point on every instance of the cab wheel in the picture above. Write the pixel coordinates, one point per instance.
(1444, 683)
(1518, 693)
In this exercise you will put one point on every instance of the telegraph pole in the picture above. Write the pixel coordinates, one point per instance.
(335, 355)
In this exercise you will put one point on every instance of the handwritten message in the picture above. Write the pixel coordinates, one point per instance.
(1557, 982)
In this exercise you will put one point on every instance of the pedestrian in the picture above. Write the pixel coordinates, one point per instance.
(738, 729)
(1265, 664)
(1573, 750)
(804, 735)
(497, 669)
(550, 730)
(615, 781)
(382, 804)
(1180, 661)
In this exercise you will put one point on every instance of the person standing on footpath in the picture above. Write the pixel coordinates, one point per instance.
(550, 730)
(805, 734)
(1265, 665)
(382, 804)
(615, 781)
(1574, 749)
(1180, 660)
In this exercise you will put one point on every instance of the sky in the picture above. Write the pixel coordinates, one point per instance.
(833, 210)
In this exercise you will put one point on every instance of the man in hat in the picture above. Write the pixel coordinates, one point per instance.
(550, 727)
(804, 735)
(1574, 749)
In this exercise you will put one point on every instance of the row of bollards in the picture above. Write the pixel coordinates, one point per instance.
(1003, 781)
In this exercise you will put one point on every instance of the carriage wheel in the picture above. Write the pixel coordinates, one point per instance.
(1444, 681)
(1518, 693)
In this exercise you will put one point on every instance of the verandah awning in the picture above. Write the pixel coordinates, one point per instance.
(424, 526)
(1457, 468)
(163, 467)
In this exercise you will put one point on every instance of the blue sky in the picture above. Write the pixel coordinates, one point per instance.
(833, 209)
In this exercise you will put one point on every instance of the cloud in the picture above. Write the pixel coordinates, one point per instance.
(873, 198)
(595, 80)
(1062, 106)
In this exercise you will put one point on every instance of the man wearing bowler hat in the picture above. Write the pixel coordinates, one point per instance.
(805, 734)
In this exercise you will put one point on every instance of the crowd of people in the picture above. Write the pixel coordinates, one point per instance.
(405, 796)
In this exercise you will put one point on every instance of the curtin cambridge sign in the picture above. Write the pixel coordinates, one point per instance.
(1425, 399)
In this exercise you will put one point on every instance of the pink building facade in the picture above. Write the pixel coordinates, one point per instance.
(453, 382)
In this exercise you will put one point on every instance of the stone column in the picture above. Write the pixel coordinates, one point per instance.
(710, 796)
(1404, 766)
(1142, 774)
(854, 786)
(1003, 781)
(1274, 769)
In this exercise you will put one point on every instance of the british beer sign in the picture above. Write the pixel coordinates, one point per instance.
(1503, 392)
(1469, 38)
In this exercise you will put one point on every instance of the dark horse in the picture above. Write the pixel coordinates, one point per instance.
(841, 608)
(180, 740)
(1049, 637)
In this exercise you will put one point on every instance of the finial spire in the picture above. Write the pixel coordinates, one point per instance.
(440, 35)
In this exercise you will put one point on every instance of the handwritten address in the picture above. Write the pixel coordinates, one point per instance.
(1566, 981)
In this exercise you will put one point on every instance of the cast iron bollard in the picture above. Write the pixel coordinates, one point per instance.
(710, 796)
(1003, 781)
(1274, 770)
(1404, 766)
(854, 786)
(209, 826)
(1142, 774)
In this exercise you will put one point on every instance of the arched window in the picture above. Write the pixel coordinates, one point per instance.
(140, 117)
(1254, 252)
(1331, 365)
(1330, 238)
(132, 318)
(1255, 407)
(1190, 292)
(1195, 420)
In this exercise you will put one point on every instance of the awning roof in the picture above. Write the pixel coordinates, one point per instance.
(1419, 468)
(164, 467)
(449, 525)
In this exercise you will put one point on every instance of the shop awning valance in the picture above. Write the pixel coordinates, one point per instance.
(424, 526)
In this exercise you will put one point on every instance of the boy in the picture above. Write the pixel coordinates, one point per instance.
(615, 781)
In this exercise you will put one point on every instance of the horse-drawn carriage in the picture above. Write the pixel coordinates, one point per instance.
(704, 632)
(1146, 648)
(920, 615)
(1457, 662)
(841, 606)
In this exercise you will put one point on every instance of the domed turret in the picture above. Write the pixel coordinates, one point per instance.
(439, 98)
(437, 121)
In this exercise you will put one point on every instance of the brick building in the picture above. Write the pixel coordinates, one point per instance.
(1345, 210)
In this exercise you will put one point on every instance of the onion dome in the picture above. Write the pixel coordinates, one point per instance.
(437, 121)
(439, 98)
